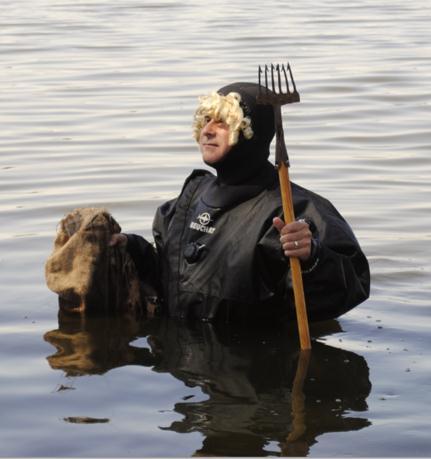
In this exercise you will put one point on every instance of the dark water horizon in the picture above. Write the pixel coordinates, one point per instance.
(97, 100)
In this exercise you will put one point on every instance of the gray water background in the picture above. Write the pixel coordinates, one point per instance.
(96, 103)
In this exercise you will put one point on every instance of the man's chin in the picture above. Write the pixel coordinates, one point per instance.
(210, 157)
(210, 162)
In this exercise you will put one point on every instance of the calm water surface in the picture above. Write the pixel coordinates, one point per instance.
(96, 104)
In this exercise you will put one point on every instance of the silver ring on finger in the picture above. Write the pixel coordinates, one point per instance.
(296, 244)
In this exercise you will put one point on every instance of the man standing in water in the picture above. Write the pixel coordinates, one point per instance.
(221, 248)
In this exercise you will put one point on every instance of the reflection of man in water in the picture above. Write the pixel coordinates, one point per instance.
(248, 378)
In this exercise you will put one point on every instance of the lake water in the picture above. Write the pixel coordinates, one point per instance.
(96, 103)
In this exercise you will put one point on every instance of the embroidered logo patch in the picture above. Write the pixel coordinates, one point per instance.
(203, 220)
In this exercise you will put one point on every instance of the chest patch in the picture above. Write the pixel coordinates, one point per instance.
(202, 223)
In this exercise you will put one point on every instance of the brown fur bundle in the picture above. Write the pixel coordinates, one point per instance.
(88, 274)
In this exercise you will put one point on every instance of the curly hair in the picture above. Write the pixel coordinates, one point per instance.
(226, 109)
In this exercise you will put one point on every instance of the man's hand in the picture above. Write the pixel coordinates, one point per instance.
(118, 239)
(295, 238)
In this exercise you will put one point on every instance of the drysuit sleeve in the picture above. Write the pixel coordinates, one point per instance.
(336, 278)
(144, 255)
(147, 256)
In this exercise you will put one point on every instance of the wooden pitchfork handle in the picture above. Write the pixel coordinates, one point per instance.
(282, 163)
(295, 265)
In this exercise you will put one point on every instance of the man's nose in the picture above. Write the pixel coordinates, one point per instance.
(208, 129)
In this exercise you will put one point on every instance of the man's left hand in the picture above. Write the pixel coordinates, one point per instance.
(295, 238)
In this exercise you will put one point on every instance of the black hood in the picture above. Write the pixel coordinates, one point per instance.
(247, 157)
(245, 171)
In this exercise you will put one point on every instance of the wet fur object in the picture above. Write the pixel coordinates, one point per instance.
(88, 274)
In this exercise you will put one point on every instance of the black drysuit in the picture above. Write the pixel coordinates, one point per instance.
(226, 261)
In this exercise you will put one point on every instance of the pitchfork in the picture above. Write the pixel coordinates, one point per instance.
(277, 96)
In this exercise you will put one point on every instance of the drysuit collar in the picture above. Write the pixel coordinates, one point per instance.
(220, 194)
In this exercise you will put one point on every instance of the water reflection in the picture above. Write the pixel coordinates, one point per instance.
(94, 345)
(263, 396)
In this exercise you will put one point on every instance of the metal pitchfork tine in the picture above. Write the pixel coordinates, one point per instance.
(277, 97)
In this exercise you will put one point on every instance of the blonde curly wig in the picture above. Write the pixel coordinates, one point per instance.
(226, 109)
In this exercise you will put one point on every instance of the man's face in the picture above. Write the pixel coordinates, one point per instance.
(214, 141)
